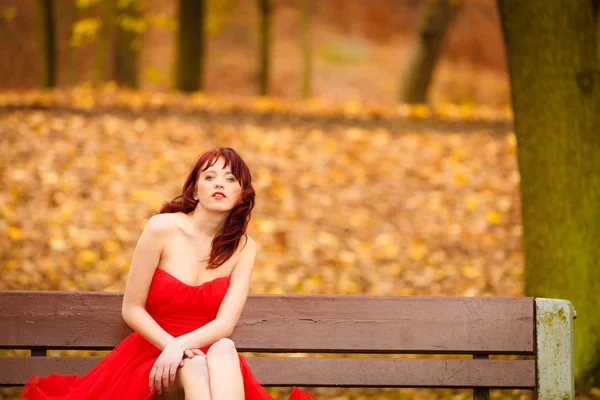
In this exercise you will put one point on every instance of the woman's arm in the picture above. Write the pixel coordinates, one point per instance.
(145, 260)
(232, 305)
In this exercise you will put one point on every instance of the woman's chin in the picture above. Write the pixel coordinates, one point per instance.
(218, 209)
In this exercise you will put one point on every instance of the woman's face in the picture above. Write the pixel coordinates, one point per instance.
(218, 189)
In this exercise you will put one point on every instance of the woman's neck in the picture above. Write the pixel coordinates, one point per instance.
(207, 223)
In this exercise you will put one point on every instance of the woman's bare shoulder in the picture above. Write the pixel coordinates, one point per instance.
(246, 243)
(250, 241)
(163, 223)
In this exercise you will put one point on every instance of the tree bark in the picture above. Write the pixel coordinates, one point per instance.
(555, 81)
(596, 10)
(435, 19)
(102, 72)
(265, 8)
(71, 56)
(190, 45)
(306, 49)
(128, 44)
(47, 35)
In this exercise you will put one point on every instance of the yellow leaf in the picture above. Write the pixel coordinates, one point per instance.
(396, 269)
(152, 75)
(54, 276)
(14, 233)
(327, 239)
(275, 290)
(315, 280)
(419, 111)
(493, 217)
(390, 250)
(381, 138)
(347, 258)
(9, 13)
(87, 256)
(352, 107)
(7, 211)
(595, 392)
(417, 250)
(347, 285)
(469, 272)
(146, 196)
(122, 233)
(460, 178)
(111, 246)
(266, 226)
(85, 30)
(57, 243)
(471, 203)
(330, 145)
(291, 279)
(357, 135)
(264, 104)
(86, 3)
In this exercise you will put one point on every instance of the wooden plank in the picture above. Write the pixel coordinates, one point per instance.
(327, 372)
(47, 319)
(291, 323)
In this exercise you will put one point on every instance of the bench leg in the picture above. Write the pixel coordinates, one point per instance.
(481, 394)
(554, 350)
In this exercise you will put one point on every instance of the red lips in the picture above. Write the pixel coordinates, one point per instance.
(217, 193)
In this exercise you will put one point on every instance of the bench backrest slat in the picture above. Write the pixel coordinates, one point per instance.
(291, 323)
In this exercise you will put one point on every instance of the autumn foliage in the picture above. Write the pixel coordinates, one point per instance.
(350, 198)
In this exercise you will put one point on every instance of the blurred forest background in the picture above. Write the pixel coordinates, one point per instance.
(351, 42)
(358, 190)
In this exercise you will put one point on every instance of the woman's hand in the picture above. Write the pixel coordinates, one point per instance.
(165, 368)
(190, 353)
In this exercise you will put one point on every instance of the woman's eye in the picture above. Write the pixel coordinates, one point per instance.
(231, 179)
(208, 177)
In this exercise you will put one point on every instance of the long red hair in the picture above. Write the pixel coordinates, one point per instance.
(227, 240)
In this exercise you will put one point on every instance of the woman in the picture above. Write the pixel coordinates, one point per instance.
(187, 286)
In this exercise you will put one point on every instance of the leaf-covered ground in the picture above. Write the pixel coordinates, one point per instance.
(342, 206)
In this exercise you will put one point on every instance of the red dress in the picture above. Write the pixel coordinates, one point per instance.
(123, 373)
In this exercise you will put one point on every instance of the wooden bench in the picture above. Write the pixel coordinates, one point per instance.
(539, 330)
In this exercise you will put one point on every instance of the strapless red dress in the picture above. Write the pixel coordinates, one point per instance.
(123, 373)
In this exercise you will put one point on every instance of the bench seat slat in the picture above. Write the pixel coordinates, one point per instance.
(291, 323)
(327, 372)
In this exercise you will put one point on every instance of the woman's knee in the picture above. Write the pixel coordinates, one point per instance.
(192, 370)
(223, 347)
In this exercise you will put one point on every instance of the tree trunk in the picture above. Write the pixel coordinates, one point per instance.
(265, 8)
(47, 34)
(102, 72)
(71, 55)
(306, 51)
(190, 45)
(596, 8)
(435, 19)
(128, 44)
(555, 80)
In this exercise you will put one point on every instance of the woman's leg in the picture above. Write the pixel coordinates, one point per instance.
(175, 391)
(226, 381)
(194, 379)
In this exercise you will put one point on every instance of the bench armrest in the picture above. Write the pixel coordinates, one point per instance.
(554, 349)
